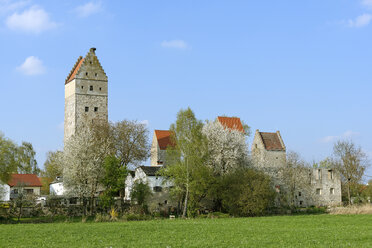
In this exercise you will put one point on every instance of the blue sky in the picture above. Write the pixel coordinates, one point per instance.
(301, 67)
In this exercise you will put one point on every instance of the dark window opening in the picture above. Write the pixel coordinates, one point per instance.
(86, 109)
(91, 87)
(165, 202)
(100, 88)
(301, 203)
(86, 74)
(73, 200)
(95, 109)
(299, 193)
(157, 189)
(90, 62)
(95, 74)
(29, 191)
(82, 87)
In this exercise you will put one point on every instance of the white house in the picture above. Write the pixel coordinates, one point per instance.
(56, 187)
(4, 192)
(148, 175)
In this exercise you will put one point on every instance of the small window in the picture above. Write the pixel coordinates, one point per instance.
(276, 157)
(100, 88)
(29, 191)
(332, 191)
(299, 193)
(95, 74)
(95, 109)
(90, 62)
(301, 202)
(91, 87)
(82, 87)
(318, 191)
(165, 202)
(330, 174)
(157, 189)
(86, 74)
(86, 109)
(319, 174)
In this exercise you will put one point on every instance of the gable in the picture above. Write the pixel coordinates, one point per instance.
(232, 123)
(271, 141)
(164, 138)
(88, 67)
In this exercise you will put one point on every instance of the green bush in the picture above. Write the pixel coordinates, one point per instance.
(134, 217)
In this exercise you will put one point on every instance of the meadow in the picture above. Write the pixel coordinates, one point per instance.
(277, 231)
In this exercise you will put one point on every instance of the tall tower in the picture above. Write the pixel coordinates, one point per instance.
(85, 94)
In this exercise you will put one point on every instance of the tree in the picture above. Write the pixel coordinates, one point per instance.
(82, 163)
(186, 159)
(8, 158)
(295, 176)
(130, 142)
(52, 165)
(140, 193)
(227, 148)
(27, 163)
(247, 192)
(113, 180)
(351, 162)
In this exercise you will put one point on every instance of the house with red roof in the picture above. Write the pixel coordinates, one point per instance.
(160, 141)
(28, 183)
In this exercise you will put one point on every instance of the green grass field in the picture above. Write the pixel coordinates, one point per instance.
(278, 231)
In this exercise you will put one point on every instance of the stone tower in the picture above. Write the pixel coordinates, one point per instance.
(85, 94)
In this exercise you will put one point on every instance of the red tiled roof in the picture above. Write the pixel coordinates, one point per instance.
(272, 141)
(29, 180)
(75, 69)
(164, 138)
(231, 123)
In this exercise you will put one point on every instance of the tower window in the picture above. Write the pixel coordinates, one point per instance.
(95, 109)
(86, 74)
(86, 109)
(95, 74)
(82, 87)
(91, 87)
(332, 191)
(100, 88)
(90, 62)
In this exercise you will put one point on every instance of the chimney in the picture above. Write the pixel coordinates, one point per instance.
(93, 50)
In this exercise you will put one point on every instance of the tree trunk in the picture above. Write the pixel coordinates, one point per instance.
(185, 203)
(348, 193)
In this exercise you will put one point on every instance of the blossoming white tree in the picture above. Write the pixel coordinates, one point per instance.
(227, 148)
(82, 162)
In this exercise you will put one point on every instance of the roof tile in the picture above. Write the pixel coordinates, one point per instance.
(233, 123)
(28, 180)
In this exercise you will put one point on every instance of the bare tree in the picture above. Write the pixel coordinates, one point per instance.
(351, 162)
(296, 177)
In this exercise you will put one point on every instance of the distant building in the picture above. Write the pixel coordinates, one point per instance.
(56, 187)
(85, 94)
(27, 183)
(233, 123)
(321, 187)
(4, 192)
(160, 141)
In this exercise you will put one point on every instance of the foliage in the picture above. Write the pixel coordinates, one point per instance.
(131, 142)
(277, 231)
(227, 149)
(113, 180)
(26, 159)
(186, 159)
(351, 162)
(52, 165)
(247, 192)
(82, 162)
(8, 158)
(141, 193)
